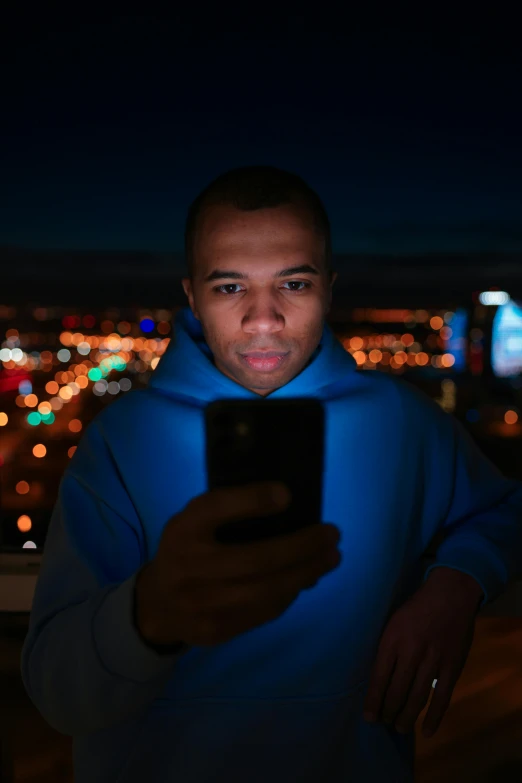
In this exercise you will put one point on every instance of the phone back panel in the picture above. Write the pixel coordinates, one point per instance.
(267, 440)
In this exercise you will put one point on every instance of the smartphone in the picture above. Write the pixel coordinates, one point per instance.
(267, 440)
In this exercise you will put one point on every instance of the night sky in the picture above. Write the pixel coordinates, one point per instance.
(411, 134)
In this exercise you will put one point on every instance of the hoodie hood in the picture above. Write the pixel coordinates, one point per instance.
(186, 368)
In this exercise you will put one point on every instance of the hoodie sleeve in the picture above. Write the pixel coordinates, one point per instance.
(482, 531)
(83, 663)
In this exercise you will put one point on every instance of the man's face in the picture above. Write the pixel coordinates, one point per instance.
(260, 311)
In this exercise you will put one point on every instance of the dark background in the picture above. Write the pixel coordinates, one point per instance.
(409, 130)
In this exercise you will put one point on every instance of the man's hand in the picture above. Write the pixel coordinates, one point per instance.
(429, 637)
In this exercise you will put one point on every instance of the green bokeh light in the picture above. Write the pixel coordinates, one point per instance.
(94, 374)
(49, 418)
(34, 419)
(118, 363)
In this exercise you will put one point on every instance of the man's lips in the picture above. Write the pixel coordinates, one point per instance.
(265, 362)
(264, 354)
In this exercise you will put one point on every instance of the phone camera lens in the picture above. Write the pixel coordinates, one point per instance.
(242, 429)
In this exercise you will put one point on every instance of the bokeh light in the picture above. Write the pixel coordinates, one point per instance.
(22, 488)
(4, 418)
(75, 425)
(82, 381)
(511, 417)
(39, 450)
(71, 451)
(51, 387)
(163, 327)
(24, 523)
(124, 327)
(66, 338)
(34, 418)
(147, 325)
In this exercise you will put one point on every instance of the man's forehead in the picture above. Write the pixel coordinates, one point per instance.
(230, 231)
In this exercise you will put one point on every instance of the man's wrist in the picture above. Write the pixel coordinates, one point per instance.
(149, 627)
(458, 584)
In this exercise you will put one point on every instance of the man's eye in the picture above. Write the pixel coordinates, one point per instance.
(218, 289)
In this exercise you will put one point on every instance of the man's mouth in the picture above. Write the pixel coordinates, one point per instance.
(264, 360)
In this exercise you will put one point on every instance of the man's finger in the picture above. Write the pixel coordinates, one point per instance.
(418, 696)
(439, 701)
(379, 680)
(396, 695)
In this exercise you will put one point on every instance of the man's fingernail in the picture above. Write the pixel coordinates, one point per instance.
(370, 717)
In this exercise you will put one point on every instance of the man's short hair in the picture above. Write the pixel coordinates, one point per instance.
(257, 187)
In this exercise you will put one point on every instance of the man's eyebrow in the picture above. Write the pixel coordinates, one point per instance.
(230, 274)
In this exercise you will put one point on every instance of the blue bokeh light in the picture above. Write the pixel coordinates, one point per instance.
(147, 325)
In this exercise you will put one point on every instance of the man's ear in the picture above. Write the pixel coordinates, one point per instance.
(189, 293)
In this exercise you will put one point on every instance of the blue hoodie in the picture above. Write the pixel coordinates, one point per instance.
(282, 702)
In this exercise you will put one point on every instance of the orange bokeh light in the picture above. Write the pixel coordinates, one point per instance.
(375, 356)
(75, 425)
(82, 381)
(24, 523)
(22, 488)
(447, 360)
(51, 387)
(71, 451)
(39, 450)
(31, 400)
(65, 338)
(511, 417)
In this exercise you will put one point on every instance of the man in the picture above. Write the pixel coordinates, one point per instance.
(170, 657)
